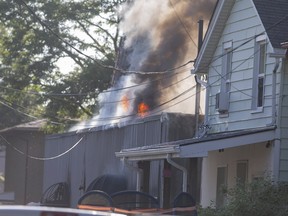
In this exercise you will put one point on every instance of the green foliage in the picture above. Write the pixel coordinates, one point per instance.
(261, 197)
(35, 35)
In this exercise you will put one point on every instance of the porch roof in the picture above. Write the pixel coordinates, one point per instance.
(193, 148)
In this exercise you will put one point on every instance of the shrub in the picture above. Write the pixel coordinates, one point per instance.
(258, 198)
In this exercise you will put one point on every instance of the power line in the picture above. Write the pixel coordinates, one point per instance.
(182, 23)
(168, 86)
(242, 44)
(10, 107)
(42, 158)
(155, 108)
(247, 41)
(135, 114)
(95, 60)
(41, 94)
(26, 114)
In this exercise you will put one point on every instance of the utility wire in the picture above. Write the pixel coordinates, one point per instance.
(168, 86)
(42, 158)
(242, 44)
(151, 80)
(182, 23)
(246, 42)
(95, 60)
(252, 38)
(107, 91)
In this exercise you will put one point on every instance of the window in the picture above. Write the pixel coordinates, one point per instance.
(259, 73)
(242, 172)
(221, 185)
(222, 99)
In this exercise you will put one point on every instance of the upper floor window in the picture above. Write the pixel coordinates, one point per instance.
(222, 98)
(259, 72)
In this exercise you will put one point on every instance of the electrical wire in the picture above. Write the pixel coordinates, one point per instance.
(42, 158)
(102, 119)
(165, 87)
(135, 114)
(111, 90)
(10, 107)
(252, 38)
(151, 80)
(242, 44)
(182, 23)
(95, 60)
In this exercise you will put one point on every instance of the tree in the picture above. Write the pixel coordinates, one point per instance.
(35, 35)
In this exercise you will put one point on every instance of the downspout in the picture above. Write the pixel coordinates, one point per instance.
(183, 169)
(198, 84)
(274, 114)
(277, 141)
(139, 173)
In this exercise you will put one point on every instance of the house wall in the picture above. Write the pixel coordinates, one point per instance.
(242, 25)
(95, 154)
(2, 167)
(283, 122)
(259, 159)
(23, 175)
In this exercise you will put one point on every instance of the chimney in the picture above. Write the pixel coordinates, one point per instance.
(200, 34)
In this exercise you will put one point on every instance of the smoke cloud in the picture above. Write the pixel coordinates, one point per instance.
(159, 36)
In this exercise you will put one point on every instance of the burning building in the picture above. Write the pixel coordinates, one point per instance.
(154, 62)
(150, 105)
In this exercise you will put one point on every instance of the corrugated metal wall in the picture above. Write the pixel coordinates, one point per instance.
(95, 154)
(23, 175)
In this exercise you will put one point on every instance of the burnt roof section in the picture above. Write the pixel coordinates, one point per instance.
(274, 15)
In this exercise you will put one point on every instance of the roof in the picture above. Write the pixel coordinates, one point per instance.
(274, 17)
(199, 147)
(29, 126)
(214, 32)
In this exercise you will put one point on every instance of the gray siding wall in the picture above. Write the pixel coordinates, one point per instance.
(24, 175)
(95, 154)
(283, 166)
(242, 25)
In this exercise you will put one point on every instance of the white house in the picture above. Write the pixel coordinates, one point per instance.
(243, 137)
(245, 130)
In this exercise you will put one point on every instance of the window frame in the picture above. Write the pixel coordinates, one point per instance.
(238, 178)
(259, 71)
(220, 196)
(222, 97)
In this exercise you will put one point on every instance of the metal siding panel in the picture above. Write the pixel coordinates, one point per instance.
(155, 175)
(95, 154)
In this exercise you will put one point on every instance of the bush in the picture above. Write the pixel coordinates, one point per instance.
(258, 198)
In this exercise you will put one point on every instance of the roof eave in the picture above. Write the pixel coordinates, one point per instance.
(284, 45)
(212, 36)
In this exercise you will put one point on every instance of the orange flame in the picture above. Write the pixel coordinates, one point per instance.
(125, 103)
(143, 109)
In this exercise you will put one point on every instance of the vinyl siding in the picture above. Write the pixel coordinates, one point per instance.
(283, 169)
(242, 25)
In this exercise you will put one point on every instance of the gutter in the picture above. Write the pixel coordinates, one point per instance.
(148, 154)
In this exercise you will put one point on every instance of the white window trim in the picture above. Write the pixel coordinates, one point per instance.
(247, 171)
(256, 75)
(224, 93)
